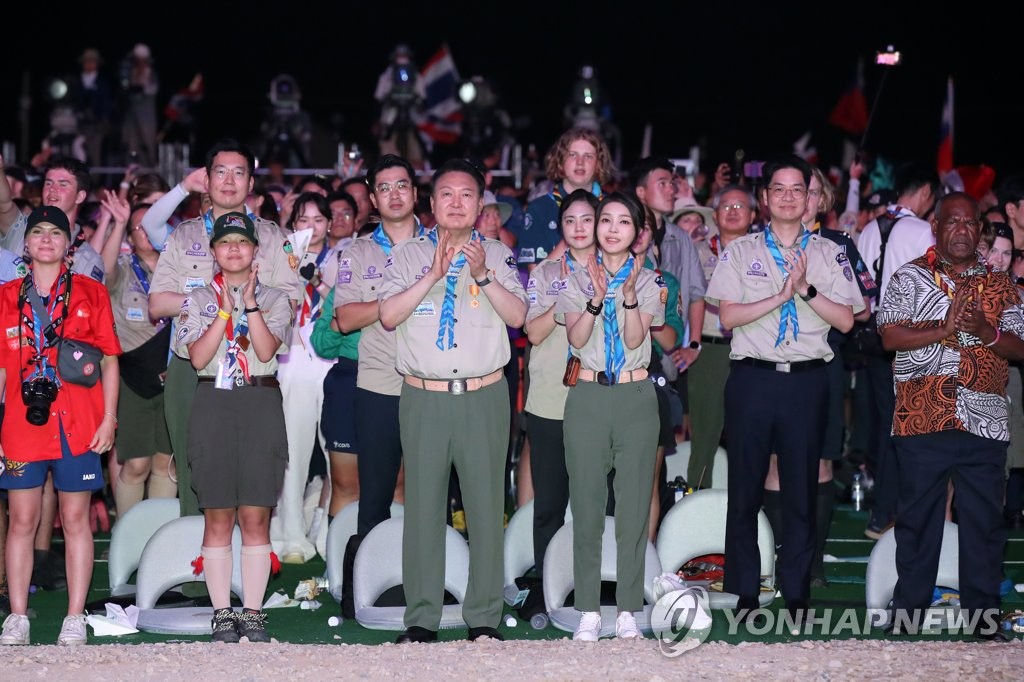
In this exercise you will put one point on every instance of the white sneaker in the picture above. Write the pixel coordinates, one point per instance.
(625, 626)
(72, 632)
(15, 630)
(589, 628)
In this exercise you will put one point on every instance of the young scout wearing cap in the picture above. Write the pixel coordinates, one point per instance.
(232, 330)
(187, 264)
(450, 295)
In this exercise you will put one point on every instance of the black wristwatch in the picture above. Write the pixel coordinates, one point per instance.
(485, 281)
(250, 311)
(811, 293)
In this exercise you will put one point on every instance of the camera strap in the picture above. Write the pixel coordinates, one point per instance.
(46, 336)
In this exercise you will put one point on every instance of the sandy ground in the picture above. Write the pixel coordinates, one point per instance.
(520, 660)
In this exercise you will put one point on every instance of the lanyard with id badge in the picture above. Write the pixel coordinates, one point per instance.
(237, 339)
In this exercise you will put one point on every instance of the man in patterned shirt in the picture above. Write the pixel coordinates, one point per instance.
(954, 325)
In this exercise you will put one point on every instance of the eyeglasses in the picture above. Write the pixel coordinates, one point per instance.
(220, 172)
(402, 186)
(779, 191)
(734, 207)
(969, 223)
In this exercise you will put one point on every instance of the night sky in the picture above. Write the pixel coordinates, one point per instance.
(722, 75)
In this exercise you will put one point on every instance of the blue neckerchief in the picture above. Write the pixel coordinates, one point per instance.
(208, 220)
(569, 260)
(380, 237)
(788, 310)
(140, 273)
(614, 352)
(446, 330)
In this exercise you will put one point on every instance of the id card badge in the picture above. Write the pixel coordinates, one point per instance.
(224, 380)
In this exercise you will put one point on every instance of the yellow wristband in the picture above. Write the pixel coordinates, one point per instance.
(223, 314)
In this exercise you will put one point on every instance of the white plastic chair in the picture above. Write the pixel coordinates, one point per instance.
(344, 526)
(167, 562)
(880, 579)
(518, 542)
(378, 567)
(559, 580)
(676, 464)
(695, 526)
(129, 536)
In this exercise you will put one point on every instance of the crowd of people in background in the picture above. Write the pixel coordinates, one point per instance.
(272, 348)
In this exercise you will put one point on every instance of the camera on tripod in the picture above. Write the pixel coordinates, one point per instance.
(38, 395)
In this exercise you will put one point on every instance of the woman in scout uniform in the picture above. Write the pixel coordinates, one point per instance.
(52, 424)
(611, 414)
(143, 444)
(545, 401)
(302, 374)
(237, 449)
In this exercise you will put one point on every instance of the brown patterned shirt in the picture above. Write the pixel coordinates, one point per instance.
(956, 384)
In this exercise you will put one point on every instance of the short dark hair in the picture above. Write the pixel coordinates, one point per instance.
(1011, 190)
(914, 175)
(73, 166)
(321, 181)
(230, 144)
(458, 166)
(792, 161)
(385, 162)
(342, 195)
(357, 180)
(578, 195)
(645, 166)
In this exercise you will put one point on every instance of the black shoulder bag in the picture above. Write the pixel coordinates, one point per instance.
(866, 339)
(77, 361)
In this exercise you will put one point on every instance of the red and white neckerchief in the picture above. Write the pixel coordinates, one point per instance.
(237, 335)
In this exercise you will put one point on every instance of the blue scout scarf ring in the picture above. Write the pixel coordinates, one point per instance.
(788, 310)
(614, 352)
(447, 326)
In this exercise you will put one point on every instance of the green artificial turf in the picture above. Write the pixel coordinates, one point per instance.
(845, 590)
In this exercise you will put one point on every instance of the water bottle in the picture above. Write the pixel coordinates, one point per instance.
(539, 621)
(678, 486)
(857, 492)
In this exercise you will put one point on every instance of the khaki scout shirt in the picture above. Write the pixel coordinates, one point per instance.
(708, 261)
(547, 394)
(651, 294)
(130, 305)
(360, 277)
(199, 310)
(481, 338)
(746, 272)
(187, 263)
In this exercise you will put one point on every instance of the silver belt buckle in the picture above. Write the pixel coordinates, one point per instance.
(457, 386)
(239, 381)
(782, 367)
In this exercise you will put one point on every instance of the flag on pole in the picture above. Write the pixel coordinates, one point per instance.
(441, 119)
(851, 111)
(945, 155)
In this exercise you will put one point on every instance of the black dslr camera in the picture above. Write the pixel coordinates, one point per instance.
(38, 394)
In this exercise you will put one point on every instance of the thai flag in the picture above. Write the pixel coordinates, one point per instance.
(945, 155)
(441, 119)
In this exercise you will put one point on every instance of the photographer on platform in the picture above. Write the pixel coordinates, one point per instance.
(65, 418)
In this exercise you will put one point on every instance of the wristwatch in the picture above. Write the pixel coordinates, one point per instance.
(485, 281)
(811, 293)
(695, 345)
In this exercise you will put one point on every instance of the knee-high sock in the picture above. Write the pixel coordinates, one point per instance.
(255, 574)
(217, 569)
(127, 495)
(826, 502)
(161, 485)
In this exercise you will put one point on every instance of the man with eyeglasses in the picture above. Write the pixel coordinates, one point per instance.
(779, 291)
(187, 263)
(910, 235)
(953, 326)
(378, 384)
(735, 208)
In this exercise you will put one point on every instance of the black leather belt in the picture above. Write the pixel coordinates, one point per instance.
(716, 340)
(781, 366)
(268, 381)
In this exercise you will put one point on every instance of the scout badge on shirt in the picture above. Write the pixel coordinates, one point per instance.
(237, 339)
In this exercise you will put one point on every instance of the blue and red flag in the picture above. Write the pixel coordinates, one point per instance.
(441, 118)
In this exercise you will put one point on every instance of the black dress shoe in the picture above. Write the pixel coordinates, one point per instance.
(476, 633)
(416, 634)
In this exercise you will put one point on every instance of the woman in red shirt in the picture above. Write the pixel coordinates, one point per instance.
(53, 426)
